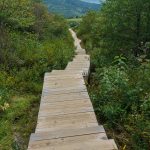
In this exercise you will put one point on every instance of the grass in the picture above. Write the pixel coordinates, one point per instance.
(74, 22)
(18, 122)
(78, 20)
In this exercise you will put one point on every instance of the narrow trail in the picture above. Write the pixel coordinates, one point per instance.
(66, 119)
(79, 49)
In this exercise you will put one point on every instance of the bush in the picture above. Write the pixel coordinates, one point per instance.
(120, 87)
(32, 42)
(120, 100)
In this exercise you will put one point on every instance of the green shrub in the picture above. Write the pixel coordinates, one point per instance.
(32, 42)
(122, 100)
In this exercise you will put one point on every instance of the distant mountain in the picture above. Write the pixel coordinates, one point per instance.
(92, 1)
(70, 8)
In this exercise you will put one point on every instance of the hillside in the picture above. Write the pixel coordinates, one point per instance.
(92, 1)
(70, 8)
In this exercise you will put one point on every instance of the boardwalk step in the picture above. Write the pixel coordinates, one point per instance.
(67, 121)
(86, 142)
(61, 86)
(89, 138)
(69, 133)
(67, 82)
(78, 64)
(65, 72)
(63, 91)
(64, 97)
(74, 145)
(59, 73)
(65, 107)
(65, 75)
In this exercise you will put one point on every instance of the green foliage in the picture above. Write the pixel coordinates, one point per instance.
(125, 24)
(124, 101)
(16, 124)
(16, 13)
(32, 42)
(117, 37)
(74, 22)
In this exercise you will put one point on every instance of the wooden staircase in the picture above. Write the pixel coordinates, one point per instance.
(66, 119)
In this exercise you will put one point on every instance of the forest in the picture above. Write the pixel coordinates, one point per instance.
(70, 8)
(118, 40)
(32, 42)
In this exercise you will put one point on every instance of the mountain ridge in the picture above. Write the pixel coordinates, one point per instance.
(92, 1)
(70, 8)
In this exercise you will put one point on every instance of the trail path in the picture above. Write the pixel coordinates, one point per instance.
(66, 119)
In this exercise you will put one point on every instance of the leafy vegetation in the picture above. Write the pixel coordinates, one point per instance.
(32, 42)
(118, 40)
(74, 22)
(70, 8)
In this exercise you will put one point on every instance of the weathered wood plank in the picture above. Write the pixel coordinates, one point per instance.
(64, 72)
(60, 77)
(68, 121)
(64, 91)
(75, 143)
(65, 107)
(65, 97)
(68, 133)
(64, 83)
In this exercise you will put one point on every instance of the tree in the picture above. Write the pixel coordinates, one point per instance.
(121, 25)
(16, 13)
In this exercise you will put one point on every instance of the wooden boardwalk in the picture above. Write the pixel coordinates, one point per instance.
(66, 119)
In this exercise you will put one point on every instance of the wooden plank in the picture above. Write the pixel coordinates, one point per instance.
(65, 85)
(65, 91)
(65, 79)
(78, 64)
(65, 97)
(50, 100)
(63, 72)
(65, 82)
(67, 133)
(78, 67)
(85, 56)
(73, 143)
(81, 102)
(81, 59)
(60, 77)
(69, 84)
(63, 76)
(65, 107)
(68, 121)
(62, 87)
